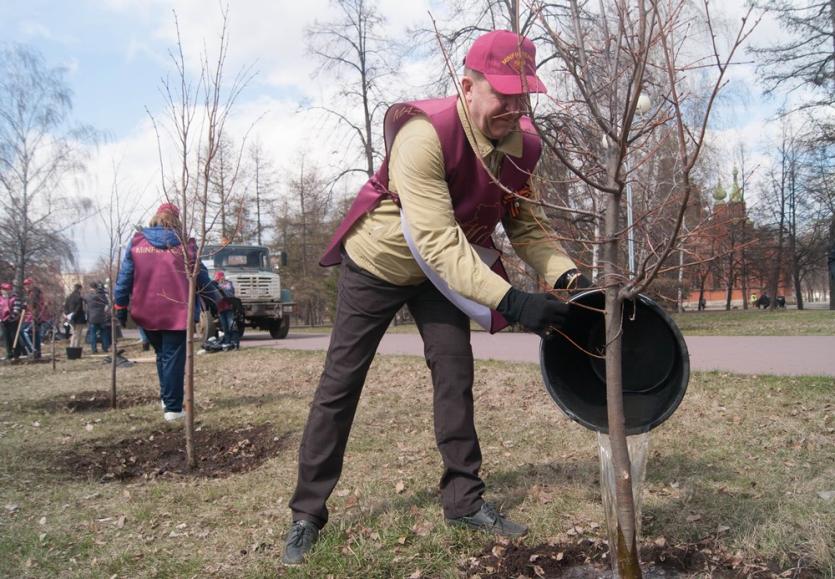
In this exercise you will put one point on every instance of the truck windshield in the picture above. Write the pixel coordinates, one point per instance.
(238, 258)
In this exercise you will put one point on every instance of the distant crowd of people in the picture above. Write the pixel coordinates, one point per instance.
(22, 314)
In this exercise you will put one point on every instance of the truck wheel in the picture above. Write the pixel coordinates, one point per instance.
(207, 327)
(279, 330)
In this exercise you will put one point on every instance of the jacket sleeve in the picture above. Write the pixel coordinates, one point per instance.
(416, 173)
(124, 283)
(535, 241)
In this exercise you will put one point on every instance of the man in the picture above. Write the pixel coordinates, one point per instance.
(74, 311)
(419, 233)
(226, 312)
(98, 317)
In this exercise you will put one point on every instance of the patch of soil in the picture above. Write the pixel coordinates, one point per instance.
(162, 453)
(588, 559)
(90, 401)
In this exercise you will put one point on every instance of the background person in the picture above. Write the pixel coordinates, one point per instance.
(226, 313)
(74, 311)
(9, 318)
(33, 315)
(98, 317)
(415, 235)
(153, 287)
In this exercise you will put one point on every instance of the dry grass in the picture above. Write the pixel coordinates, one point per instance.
(743, 452)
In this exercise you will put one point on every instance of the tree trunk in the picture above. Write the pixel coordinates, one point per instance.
(188, 390)
(831, 266)
(626, 551)
(113, 350)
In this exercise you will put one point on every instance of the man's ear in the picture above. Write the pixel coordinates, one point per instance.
(466, 85)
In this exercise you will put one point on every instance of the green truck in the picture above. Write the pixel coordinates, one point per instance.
(264, 304)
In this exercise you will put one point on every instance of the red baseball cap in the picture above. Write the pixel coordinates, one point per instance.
(169, 208)
(505, 58)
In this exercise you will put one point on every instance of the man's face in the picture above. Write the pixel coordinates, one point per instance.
(495, 114)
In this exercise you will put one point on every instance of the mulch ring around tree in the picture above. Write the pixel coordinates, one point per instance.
(91, 400)
(220, 453)
(587, 559)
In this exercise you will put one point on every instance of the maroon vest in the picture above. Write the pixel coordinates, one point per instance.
(478, 203)
(159, 298)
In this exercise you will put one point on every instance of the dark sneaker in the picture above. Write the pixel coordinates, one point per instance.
(487, 518)
(301, 538)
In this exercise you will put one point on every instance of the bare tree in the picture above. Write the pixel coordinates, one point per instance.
(197, 114)
(605, 57)
(40, 150)
(116, 217)
(353, 51)
(803, 58)
(802, 64)
(263, 181)
(302, 225)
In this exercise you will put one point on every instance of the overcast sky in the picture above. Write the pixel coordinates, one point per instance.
(116, 53)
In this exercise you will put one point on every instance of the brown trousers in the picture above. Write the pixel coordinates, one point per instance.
(365, 307)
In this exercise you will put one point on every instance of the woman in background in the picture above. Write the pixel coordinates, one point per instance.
(153, 287)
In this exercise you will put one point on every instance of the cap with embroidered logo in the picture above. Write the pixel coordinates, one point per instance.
(507, 60)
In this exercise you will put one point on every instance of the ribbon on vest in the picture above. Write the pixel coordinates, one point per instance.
(479, 313)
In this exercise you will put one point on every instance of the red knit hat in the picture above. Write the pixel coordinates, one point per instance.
(169, 208)
(28, 281)
(503, 57)
(6, 286)
(219, 275)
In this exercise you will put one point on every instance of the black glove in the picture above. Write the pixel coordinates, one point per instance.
(122, 316)
(573, 280)
(539, 313)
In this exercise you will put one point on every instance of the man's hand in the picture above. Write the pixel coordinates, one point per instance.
(122, 316)
(539, 313)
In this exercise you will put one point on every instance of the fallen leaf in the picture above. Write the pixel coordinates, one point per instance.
(423, 529)
(540, 572)
(827, 495)
(351, 502)
(88, 427)
(12, 508)
(120, 522)
(399, 487)
(498, 551)
(401, 540)
(560, 556)
(343, 492)
(693, 518)
(416, 575)
(661, 542)
(722, 529)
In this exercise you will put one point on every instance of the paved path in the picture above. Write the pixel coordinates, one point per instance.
(780, 355)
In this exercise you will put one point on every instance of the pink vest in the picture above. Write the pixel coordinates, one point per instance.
(159, 297)
(6, 306)
(478, 203)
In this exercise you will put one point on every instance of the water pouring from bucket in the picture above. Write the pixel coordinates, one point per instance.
(655, 369)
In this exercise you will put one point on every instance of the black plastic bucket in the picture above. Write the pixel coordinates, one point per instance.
(73, 353)
(655, 364)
